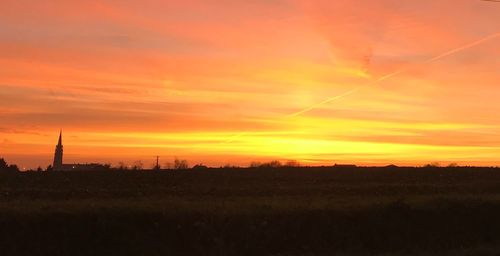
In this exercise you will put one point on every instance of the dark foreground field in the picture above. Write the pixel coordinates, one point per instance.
(313, 211)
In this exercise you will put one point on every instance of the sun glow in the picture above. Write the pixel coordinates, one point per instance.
(314, 81)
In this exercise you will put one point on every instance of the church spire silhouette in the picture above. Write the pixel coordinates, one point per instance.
(58, 155)
(60, 138)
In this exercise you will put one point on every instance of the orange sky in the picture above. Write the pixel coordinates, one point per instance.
(230, 82)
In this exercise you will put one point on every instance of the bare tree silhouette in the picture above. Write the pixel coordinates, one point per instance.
(180, 164)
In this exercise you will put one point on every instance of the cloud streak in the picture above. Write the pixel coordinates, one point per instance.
(161, 77)
(398, 72)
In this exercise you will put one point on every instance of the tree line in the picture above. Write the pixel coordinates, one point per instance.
(6, 168)
(177, 164)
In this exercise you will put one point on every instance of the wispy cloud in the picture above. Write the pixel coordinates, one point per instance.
(166, 75)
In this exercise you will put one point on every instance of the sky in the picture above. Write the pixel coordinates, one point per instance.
(369, 82)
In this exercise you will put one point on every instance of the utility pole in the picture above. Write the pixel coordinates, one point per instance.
(157, 167)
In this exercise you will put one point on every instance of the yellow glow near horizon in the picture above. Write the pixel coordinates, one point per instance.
(371, 82)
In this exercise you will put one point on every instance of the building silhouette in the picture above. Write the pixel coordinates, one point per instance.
(58, 155)
(58, 164)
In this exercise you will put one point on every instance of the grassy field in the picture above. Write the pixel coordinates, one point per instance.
(286, 211)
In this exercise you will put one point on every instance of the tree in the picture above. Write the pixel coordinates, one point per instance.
(272, 164)
(5, 168)
(122, 166)
(13, 168)
(3, 164)
(180, 164)
(432, 165)
(292, 163)
(255, 164)
(138, 165)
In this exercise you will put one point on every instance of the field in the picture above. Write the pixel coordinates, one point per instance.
(284, 211)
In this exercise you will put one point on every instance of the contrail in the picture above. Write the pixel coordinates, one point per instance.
(465, 47)
(398, 72)
(325, 102)
(382, 78)
(390, 75)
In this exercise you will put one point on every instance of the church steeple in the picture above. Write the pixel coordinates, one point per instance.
(60, 139)
(58, 155)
